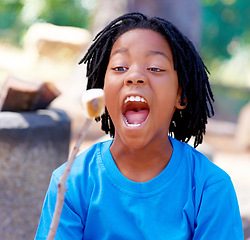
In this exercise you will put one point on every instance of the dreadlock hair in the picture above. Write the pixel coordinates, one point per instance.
(191, 71)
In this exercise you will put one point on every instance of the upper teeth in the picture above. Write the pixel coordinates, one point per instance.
(134, 99)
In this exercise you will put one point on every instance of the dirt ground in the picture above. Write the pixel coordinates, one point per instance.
(237, 165)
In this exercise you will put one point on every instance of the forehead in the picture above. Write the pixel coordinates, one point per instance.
(142, 38)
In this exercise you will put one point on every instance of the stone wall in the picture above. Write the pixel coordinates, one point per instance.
(32, 145)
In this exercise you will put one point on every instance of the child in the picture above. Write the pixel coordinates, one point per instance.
(144, 184)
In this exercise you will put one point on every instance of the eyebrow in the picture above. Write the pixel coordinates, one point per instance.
(120, 50)
(155, 52)
(150, 53)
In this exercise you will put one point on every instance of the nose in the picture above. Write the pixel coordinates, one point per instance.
(136, 77)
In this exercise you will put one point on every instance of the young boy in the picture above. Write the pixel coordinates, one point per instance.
(144, 184)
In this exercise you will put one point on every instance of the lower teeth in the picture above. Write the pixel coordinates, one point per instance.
(131, 124)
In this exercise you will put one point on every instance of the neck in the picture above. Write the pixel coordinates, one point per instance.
(141, 165)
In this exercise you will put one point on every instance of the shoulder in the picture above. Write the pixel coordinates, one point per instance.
(82, 162)
(211, 186)
(82, 177)
(203, 170)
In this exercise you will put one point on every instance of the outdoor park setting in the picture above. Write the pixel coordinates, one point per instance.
(41, 84)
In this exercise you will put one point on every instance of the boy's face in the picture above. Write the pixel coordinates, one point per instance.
(141, 88)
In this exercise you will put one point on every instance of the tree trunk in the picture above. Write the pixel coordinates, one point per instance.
(186, 15)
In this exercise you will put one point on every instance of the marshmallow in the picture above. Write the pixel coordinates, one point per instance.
(93, 103)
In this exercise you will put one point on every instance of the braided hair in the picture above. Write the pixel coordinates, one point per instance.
(191, 71)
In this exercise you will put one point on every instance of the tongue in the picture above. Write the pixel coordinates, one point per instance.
(136, 117)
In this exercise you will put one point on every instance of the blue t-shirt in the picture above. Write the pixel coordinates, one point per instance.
(191, 198)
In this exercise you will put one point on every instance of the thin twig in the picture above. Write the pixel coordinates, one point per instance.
(61, 185)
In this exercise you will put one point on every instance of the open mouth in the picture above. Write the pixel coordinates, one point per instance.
(135, 111)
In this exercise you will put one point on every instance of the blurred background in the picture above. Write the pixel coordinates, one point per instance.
(220, 29)
(44, 41)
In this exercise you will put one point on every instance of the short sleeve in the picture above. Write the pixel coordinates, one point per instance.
(218, 214)
(70, 225)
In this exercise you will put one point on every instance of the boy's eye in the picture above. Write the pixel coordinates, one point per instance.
(154, 69)
(119, 69)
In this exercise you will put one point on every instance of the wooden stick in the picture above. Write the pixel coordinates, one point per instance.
(61, 185)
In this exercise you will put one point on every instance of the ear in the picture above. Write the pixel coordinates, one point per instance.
(178, 100)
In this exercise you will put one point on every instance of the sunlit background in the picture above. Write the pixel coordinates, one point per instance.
(224, 41)
(225, 30)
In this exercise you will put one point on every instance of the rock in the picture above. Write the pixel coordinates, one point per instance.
(59, 43)
(32, 145)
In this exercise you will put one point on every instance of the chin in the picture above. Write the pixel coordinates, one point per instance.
(135, 142)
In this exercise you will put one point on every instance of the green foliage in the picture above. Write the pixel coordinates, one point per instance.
(225, 27)
(225, 36)
(64, 13)
(9, 10)
(234, 71)
(10, 24)
(16, 16)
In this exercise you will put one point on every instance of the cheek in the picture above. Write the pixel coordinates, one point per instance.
(165, 100)
(109, 97)
(106, 88)
(112, 88)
